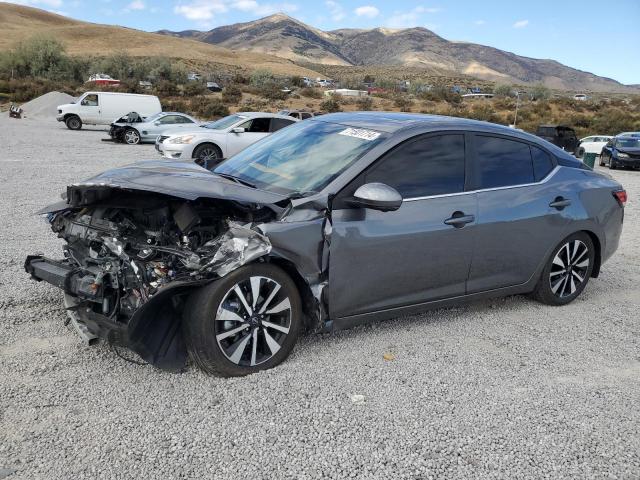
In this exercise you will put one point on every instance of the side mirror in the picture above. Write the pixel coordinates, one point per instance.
(238, 130)
(377, 196)
(157, 124)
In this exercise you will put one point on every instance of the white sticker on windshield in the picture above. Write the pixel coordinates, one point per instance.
(360, 133)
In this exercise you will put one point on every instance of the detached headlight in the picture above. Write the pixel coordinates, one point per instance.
(622, 155)
(183, 139)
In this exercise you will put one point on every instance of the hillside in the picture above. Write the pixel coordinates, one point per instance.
(81, 38)
(289, 38)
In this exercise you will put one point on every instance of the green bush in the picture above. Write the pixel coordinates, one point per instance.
(503, 90)
(166, 88)
(176, 105)
(310, 93)
(231, 94)
(403, 103)
(261, 78)
(194, 89)
(364, 103)
(209, 108)
(272, 91)
(331, 105)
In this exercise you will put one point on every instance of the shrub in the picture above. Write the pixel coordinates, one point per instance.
(310, 92)
(261, 78)
(231, 94)
(331, 105)
(193, 89)
(504, 90)
(364, 103)
(403, 103)
(213, 108)
(166, 88)
(272, 91)
(176, 105)
(540, 92)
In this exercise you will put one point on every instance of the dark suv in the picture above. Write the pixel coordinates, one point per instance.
(560, 135)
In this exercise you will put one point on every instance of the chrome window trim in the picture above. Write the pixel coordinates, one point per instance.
(507, 187)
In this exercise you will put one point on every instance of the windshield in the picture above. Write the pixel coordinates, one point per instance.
(628, 143)
(223, 123)
(303, 157)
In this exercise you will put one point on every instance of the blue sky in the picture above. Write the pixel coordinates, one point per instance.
(600, 37)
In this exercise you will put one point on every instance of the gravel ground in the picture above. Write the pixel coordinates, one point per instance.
(499, 389)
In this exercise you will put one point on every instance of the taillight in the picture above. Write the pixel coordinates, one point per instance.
(621, 196)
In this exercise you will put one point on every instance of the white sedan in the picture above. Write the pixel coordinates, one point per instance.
(592, 144)
(214, 141)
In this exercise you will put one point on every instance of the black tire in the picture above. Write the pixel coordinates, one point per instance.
(612, 165)
(73, 122)
(211, 340)
(580, 152)
(207, 155)
(601, 161)
(131, 136)
(552, 288)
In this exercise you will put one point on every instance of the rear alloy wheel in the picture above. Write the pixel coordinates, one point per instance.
(73, 122)
(131, 136)
(207, 155)
(568, 271)
(244, 322)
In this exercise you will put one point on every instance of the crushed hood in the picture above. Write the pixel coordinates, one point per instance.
(178, 179)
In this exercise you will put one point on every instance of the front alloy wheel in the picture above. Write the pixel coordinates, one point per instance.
(131, 137)
(253, 321)
(247, 321)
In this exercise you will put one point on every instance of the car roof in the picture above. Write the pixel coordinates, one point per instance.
(262, 114)
(392, 122)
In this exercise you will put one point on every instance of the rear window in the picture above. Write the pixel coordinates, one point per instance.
(503, 162)
(542, 163)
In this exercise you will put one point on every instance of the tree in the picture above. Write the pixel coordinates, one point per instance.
(540, 92)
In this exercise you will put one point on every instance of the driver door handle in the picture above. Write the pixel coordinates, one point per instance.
(459, 219)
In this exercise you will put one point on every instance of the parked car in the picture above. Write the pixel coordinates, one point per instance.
(621, 151)
(560, 135)
(592, 144)
(628, 134)
(213, 87)
(215, 141)
(580, 97)
(299, 114)
(135, 129)
(329, 223)
(101, 108)
(103, 79)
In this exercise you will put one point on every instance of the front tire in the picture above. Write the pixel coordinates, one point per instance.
(73, 122)
(131, 136)
(612, 165)
(567, 271)
(207, 155)
(247, 321)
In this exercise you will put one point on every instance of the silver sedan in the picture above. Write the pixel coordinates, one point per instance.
(133, 129)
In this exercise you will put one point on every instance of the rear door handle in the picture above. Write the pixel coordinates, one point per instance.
(560, 202)
(459, 219)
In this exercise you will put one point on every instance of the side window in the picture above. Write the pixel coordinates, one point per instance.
(90, 100)
(278, 123)
(305, 116)
(168, 120)
(542, 163)
(259, 125)
(503, 162)
(422, 167)
(181, 119)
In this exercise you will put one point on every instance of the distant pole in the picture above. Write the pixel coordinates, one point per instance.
(515, 118)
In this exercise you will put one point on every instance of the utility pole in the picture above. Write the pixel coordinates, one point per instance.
(515, 118)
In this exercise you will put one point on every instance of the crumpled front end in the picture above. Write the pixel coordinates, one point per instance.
(132, 258)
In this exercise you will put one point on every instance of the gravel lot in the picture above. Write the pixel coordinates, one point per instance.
(500, 389)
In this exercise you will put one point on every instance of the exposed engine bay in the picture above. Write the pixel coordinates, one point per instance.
(141, 239)
(122, 255)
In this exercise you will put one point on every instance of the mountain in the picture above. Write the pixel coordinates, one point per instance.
(82, 38)
(289, 38)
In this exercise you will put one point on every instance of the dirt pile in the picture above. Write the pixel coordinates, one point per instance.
(45, 106)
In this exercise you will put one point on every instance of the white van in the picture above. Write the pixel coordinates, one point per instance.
(102, 108)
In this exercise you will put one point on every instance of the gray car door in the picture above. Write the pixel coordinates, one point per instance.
(382, 260)
(517, 221)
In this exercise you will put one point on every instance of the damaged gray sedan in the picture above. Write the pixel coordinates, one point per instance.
(326, 224)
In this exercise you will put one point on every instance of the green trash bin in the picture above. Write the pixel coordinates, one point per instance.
(589, 159)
